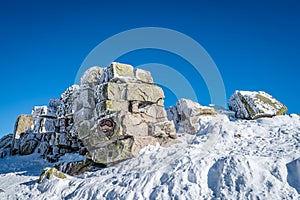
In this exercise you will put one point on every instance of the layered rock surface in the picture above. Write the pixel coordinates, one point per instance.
(253, 105)
(186, 115)
(109, 117)
(118, 111)
(49, 130)
(113, 114)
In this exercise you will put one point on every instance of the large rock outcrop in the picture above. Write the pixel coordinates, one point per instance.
(186, 115)
(109, 117)
(118, 111)
(48, 130)
(253, 105)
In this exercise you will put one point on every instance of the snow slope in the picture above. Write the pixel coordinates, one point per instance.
(239, 159)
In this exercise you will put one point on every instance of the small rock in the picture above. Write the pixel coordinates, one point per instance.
(50, 173)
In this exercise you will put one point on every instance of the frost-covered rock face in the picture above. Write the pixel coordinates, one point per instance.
(114, 113)
(49, 130)
(92, 75)
(5, 144)
(253, 105)
(186, 115)
(121, 114)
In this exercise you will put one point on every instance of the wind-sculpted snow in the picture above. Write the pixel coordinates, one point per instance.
(241, 159)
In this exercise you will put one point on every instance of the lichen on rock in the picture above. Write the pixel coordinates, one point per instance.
(186, 115)
(108, 118)
(253, 105)
(50, 173)
(122, 114)
(113, 114)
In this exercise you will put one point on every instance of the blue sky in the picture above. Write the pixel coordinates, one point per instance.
(255, 45)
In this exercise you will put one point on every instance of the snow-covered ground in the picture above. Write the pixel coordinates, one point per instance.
(240, 159)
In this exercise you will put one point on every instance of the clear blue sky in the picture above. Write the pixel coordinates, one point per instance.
(255, 45)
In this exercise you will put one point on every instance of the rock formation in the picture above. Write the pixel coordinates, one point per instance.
(48, 130)
(253, 105)
(109, 117)
(118, 111)
(186, 115)
(113, 114)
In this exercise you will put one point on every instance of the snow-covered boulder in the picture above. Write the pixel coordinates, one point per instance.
(186, 115)
(253, 105)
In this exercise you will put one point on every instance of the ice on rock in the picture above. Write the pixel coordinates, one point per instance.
(253, 105)
(125, 109)
(109, 119)
(143, 76)
(5, 145)
(92, 75)
(186, 115)
(119, 72)
(44, 111)
(111, 115)
(49, 130)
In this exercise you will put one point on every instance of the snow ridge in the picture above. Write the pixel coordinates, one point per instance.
(239, 159)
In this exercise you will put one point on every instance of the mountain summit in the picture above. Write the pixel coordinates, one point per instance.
(111, 138)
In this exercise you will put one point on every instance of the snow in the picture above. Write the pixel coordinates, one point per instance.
(227, 159)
